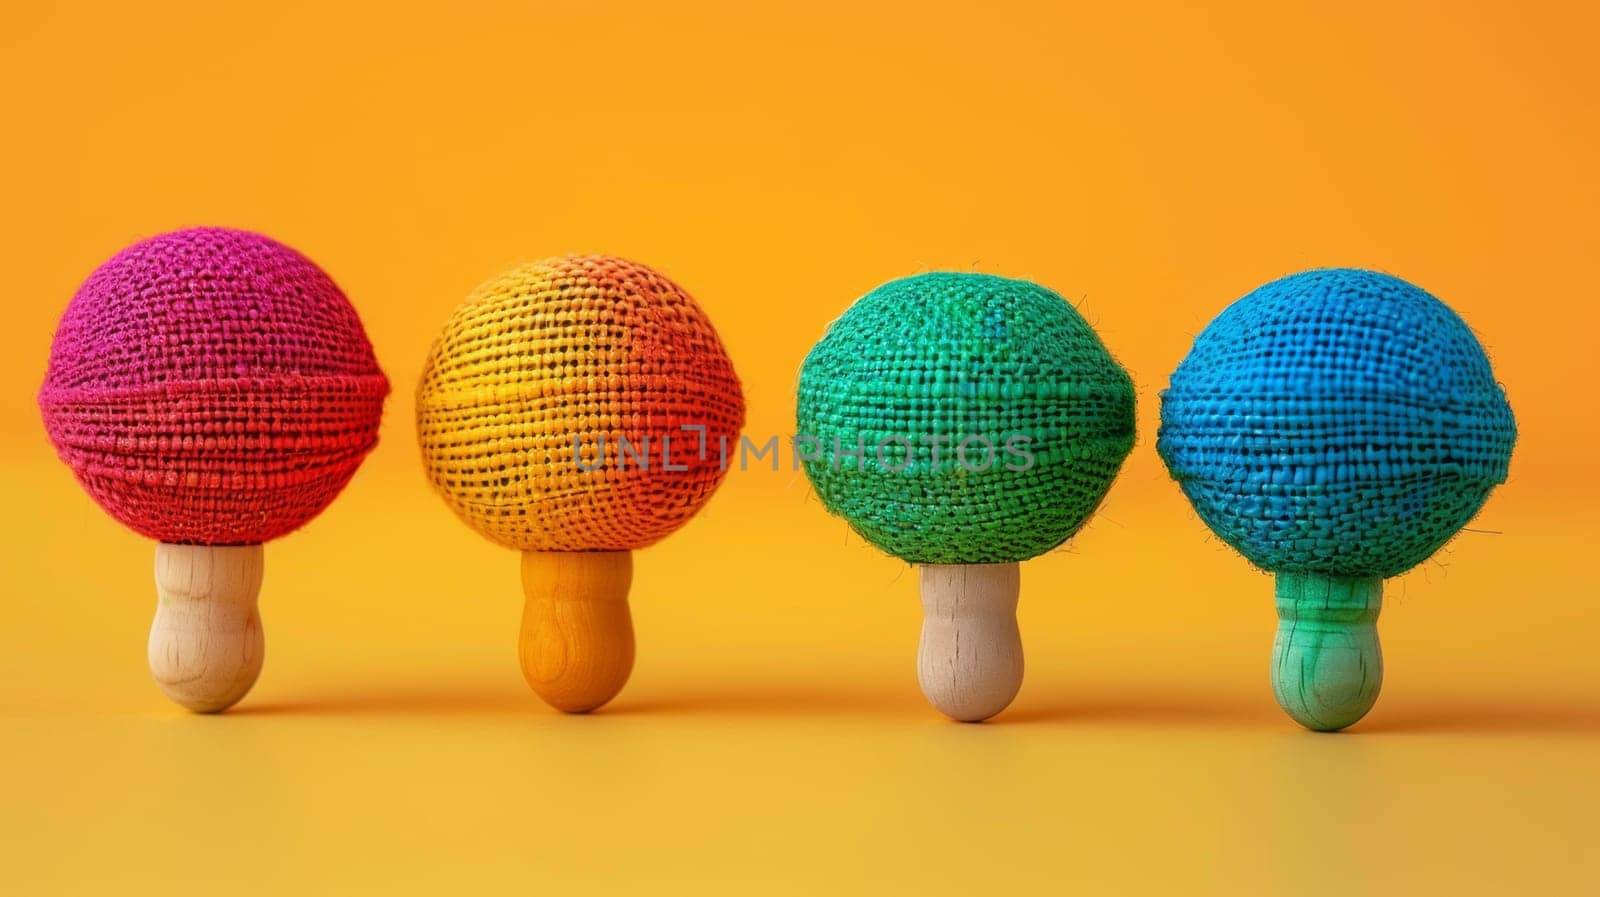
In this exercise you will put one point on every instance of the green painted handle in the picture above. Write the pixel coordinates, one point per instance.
(1326, 663)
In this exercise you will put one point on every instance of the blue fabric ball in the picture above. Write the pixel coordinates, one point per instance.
(1336, 421)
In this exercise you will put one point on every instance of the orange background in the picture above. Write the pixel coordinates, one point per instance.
(1151, 163)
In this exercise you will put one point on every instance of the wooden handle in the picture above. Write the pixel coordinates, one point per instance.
(970, 659)
(206, 645)
(577, 634)
(1327, 666)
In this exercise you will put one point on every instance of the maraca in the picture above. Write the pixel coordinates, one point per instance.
(577, 409)
(211, 389)
(1336, 427)
(964, 423)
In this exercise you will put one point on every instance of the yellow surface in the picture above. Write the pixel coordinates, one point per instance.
(1150, 163)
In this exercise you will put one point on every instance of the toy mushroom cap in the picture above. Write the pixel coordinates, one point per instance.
(212, 386)
(1336, 421)
(963, 418)
(538, 379)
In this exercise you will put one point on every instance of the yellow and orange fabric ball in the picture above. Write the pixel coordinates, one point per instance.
(582, 403)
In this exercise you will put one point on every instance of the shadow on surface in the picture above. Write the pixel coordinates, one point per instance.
(1100, 708)
(1085, 707)
(775, 701)
(399, 702)
(1482, 718)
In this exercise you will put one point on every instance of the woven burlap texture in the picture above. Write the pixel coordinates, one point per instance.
(1336, 421)
(212, 386)
(955, 357)
(571, 354)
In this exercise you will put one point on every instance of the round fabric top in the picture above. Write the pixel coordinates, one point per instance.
(578, 404)
(1336, 421)
(212, 386)
(963, 419)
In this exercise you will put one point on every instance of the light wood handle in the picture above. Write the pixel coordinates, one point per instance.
(1327, 666)
(206, 645)
(970, 658)
(577, 634)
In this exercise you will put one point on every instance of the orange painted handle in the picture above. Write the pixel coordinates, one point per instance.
(577, 633)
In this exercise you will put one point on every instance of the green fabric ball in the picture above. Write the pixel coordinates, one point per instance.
(921, 366)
